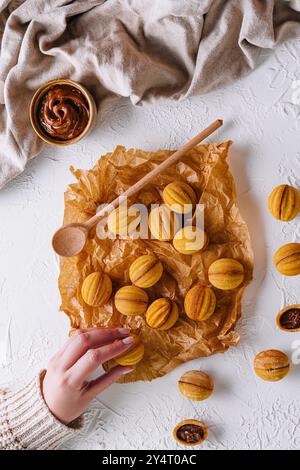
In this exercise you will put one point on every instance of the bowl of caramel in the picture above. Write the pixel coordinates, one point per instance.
(62, 112)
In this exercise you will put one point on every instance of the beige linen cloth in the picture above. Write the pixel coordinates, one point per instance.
(141, 49)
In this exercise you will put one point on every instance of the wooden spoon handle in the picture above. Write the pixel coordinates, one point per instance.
(156, 171)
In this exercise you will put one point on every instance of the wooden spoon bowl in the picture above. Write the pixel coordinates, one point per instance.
(70, 239)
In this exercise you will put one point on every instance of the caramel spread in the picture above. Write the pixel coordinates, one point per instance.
(63, 112)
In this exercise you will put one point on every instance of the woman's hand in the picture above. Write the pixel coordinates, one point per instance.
(66, 388)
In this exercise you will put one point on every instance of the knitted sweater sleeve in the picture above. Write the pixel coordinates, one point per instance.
(27, 423)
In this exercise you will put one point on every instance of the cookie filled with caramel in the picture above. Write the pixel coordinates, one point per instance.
(190, 432)
(288, 319)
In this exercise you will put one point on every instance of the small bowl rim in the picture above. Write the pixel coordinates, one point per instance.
(279, 315)
(190, 421)
(36, 98)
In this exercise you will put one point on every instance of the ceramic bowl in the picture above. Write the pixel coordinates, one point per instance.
(34, 108)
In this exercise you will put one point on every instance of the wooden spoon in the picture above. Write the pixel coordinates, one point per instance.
(70, 239)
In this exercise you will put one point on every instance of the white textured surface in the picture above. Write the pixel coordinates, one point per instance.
(244, 412)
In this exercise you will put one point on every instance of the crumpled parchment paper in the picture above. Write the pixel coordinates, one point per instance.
(205, 168)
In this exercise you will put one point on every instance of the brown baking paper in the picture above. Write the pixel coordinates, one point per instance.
(205, 168)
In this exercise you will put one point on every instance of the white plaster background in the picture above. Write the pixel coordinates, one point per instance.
(244, 412)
